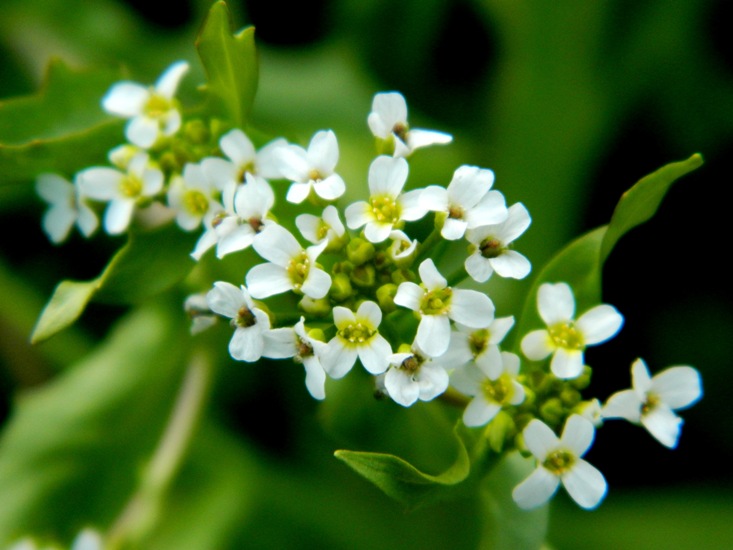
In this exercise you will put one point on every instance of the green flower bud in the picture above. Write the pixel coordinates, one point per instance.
(364, 276)
(359, 251)
(196, 132)
(582, 381)
(317, 308)
(402, 275)
(317, 334)
(341, 287)
(384, 146)
(385, 297)
(570, 397)
(552, 411)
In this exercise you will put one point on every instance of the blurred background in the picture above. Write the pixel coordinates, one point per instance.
(570, 103)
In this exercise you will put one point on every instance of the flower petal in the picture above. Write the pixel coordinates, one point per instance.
(663, 424)
(330, 188)
(316, 284)
(540, 439)
(555, 303)
(536, 490)
(567, 363)
(577, 435)
(168, 82)
(433, 334)
(678, 387)
(401, 388)
(238, 147)
(417, 138)
(142, 131)
(430, 276)
(280, 343)
(599, 324)
(117, 216)
(478, 267)
(277, 245)
(338, 359)
(537, 345)
(469, 185)
(453, 229)
(471, 308)
(585, 484)
(377, 232)
(434, 198)
(266, 280)
(511, 264)
(315, 377)
(623, 404)
(409, 295)
(323, 151)
(387, 175)
(479, 412)
(125, 99)
(374, 356)
(247, 344)
(369, 313)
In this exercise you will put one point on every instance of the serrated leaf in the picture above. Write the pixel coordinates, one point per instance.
(231, 65)
(62, 129)
(402, 481)
(580, 263)
(149, 263)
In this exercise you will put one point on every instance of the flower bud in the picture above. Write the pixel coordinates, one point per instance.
(341, 287)
(552, 411)
(317, 308)
(359, 251)
(364, 276)
(385, 297)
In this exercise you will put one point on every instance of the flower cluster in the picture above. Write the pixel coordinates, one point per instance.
(372, 285)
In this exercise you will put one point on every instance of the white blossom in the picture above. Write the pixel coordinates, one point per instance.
(329, 226)
(388, 206)
(492, 247)
(559, 461)
(494, 387)
(311, 169)
(152, 111)
(290, 266)
(467, 203)
(413, 375)
(388, 122)
(437, 304)
(250, 322)
(66, 207)
(357, 336)
(191, 196)
(652, 400)
(566, 338)
(402, 248)
(480, 346)
(123, 190)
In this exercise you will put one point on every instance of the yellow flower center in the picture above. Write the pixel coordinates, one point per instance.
(490, 248)
(499, 391)
(195, 202)
(651, 403)
(248, 168)
(157, 106)
(315, 175)
(356, 333)
(385, 209)
(559, 462)
(245, 318)
(411, 364)
(131, 186)
(298, 269)
(436, 302)
(400, 130)
(478, 341)
(565, 335)
(456, 212)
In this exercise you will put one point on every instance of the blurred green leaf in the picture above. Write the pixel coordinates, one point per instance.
(231, 65)
(580, 263)
(70, 454)
(61, 129)
(149, 263)
(402, 481)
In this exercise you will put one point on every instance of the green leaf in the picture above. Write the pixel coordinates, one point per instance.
(231, 65)
(580, 263)
(402, 481)
(62, 129)
(148, 264)
(70, 454)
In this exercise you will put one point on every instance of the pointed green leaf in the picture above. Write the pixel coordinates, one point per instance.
(231, 65)
(62, 129)
(580, 263)
(149, 263)
(402, 481)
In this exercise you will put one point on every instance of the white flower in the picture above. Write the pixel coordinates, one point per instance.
(312, 169)
(480, 346)
(197, 308)
(566, 338)
(412, 376)
(242, 159)
(190, 195)
(437, 303)
(250, 322)
(388, 206)
(591, 410)
(152, 111)
(357, 336)
(467, 202)
(328, 226)
(653, 400)
(388, 122)
(123, 190)
(559, 460)
(251, 205)
(493, 252)
(66, 207)
(402, 248)
(295, 342)
(493, 389)
(291, 267)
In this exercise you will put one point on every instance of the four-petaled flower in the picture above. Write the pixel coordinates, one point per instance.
(388, 123)
(312, 168)
(653, 400)
(492, 247)
(559, 460)
(357, 336)
(190, 195)
(467, 202)
(412, 375)
(328, 226)
(250, 322)
(437, 304)
(291, 267)
(566, 338)
(152, 111)
(66, 207)
(388, 206)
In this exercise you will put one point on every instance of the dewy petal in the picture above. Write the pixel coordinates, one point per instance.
(358, 214)
(370, 312)
(401, 388)
(247, 344)
(469, 185)
(266, 280)
(411, 209)
(479, 412)
(663, 424)
(409, 295)
(433, 381)
(490, 210)
(537, 345)
(117, 216)
(142, 131)
(511, 264)
(478, 267)
(298, 192)
(277, 245)
(316, 284)
(540, 439)
(490, 362)
(323, 151)
(417, 138)
(641, 379)
(453, 229)
(536, 490)
(374, 356)
(308, 225)
(433, 334)
(430, 276)
(599, 324)
(577, 435)
(387, 175)
(125, 99)
(623, 404)
(555, 303)
(241, 237)
(377, 232)
(434, 198)
(225, 299)
(330, 188)
(516, 223)
(238, 147)
(567, 363)
(471, 308)
(280, 343)
(292, 162)
(585, 484)
(168, 82)
(338, 359)
(315, 377)
(500, 328)
(677, 387)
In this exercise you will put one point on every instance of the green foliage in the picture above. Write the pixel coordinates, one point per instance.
(62, 129)
(231, 65)
(150, 262)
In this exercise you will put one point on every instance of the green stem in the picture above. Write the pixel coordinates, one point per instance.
(427, 245)
(143, 510)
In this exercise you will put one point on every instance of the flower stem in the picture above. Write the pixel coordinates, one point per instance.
(427, 246)
(143, 510)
